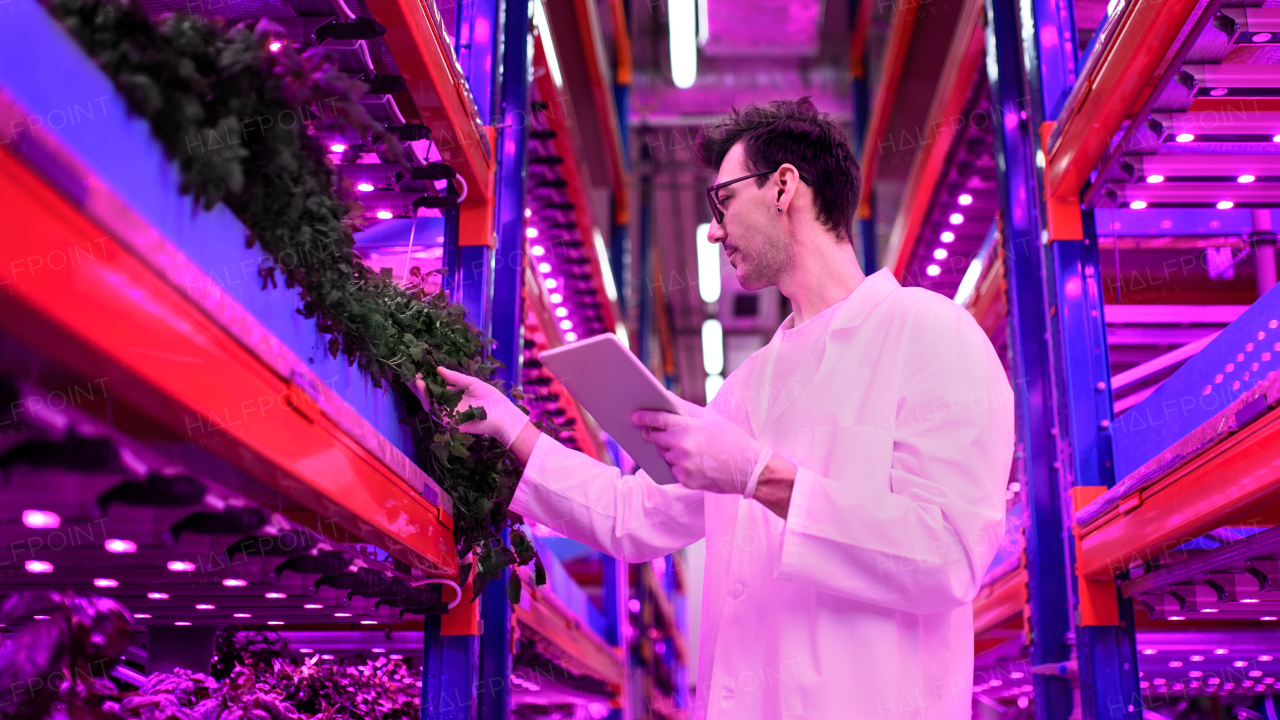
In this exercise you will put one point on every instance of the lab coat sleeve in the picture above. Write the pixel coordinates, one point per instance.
(629, 517)
(912, 517)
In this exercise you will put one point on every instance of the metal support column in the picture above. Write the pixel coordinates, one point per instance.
(515, 52)
(1035, 454)
(449, 664)
(861, 111)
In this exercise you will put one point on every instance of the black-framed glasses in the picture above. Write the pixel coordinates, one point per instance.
(713, 192)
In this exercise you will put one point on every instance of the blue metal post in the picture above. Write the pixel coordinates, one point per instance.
(1035, 455)
(449, 664)
(861, 111)
(515, 51)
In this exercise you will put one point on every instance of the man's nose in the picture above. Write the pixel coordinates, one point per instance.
(716, 233)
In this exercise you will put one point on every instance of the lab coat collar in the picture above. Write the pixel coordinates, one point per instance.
(852, 310)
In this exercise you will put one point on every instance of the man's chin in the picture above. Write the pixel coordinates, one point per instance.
(748, 281)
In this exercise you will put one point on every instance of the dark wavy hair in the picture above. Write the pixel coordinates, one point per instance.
(792, 131)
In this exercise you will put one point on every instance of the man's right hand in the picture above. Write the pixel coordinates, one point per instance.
(503, 420)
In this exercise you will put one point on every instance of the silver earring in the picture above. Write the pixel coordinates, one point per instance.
(779, 208)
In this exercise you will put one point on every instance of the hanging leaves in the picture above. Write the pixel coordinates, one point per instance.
(230, 113)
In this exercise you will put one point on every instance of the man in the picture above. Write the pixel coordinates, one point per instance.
(849, 477)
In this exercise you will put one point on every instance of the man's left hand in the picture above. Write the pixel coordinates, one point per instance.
(705, 451)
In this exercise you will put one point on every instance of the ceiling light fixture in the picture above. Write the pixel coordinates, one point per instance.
(708, 264)
(180, 566)
(275, 596)
(368, 622)
(142, 616)
(38, 566)
(234, 582)
(182, 622)
(313, 606)
(712, 346)
(342, 614)
(40, 519)
(205, 606)
(105, 583)
(682, 22)
(275, 622)
(157, 596)
(241, 615)
(377, 650)
(116, 545)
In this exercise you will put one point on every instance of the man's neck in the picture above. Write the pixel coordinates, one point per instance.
(825, 273)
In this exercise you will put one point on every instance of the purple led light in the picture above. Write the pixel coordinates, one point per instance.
(544, 267)
(955, 218)
(566, 324)
(947, 236)
(965, 199)
(40, 519)
(337, 147)
(531, 232)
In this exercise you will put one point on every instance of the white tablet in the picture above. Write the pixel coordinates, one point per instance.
(611, 384)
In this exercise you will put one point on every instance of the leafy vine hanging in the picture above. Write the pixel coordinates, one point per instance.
(217, 99)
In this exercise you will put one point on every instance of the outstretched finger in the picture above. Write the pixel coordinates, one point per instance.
(456, 378)
(657, 419)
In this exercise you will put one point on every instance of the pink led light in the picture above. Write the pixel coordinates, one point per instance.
(157, 596)
(275, 596)
(528, 212)
(955, 218)
(38, 566)
(313, 606)
(947, 236)
(142, 616)
(933, 271)
(205, 606)
(940, 254)
(1176, 617)
(571, 336)
(550, 283)
(180, 566)
(557, 298)
(105, 583)
(40, 519)
(531, 232)
(562, 312)
(396, 657)
(1154, 179)
(234, 582)
(1268, 617)
(275, 46)
(241, 615)
(537, 250)
(337, 147)
(1138, 205)
(1246, 178)
(544, 267)
(965, 199)
(1185, 137)
(384, 215)
(342, 614)
(1225, 205)
(566, 324)
(1149, 651)
(368, 622)
(305, 651)
(365, 187)
(275, 622)
(1218, 92)
(377, 650)
(116, 545)
(182, 622)
(1221, 651)
(41, 617)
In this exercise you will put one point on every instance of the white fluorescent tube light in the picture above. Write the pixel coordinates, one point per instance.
(708, 265)
(548, 47)
(713, 386)
(704, 24)
(605, 269)
(712, 347)
(682, 19)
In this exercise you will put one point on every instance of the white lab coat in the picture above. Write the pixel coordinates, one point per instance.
(858, 605)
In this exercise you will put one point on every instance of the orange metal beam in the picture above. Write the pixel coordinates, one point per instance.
(416, 39)
(998, 602)
(959, 71)
(1232, 482)
(80, 297)
(895, 56)
(1106, 98)
(569, 148)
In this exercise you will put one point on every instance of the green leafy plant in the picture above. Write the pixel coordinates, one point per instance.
(216, 99)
